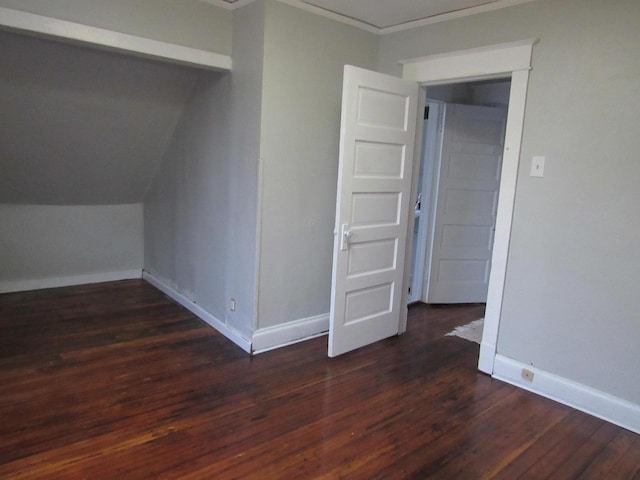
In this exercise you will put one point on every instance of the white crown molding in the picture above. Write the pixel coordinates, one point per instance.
(332, 16)
(228, 5)
(372, 28)
(77, 33)
(452, 15)
(219, 3)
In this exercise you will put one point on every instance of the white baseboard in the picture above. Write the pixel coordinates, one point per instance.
(581, 397)
(265, 339)
(197, 310)
(40, 283)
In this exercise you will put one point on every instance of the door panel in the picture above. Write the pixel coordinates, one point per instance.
(467, 201)
(378, 160)
(374, 181)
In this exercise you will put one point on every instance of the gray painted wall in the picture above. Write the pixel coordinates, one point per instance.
(283, 112)
(245, 128)
(185, 22)
(42, 242)
(304, 56)
(185, 209)
(81, 134)
(82, 126)
(201, 210)
(570, 303)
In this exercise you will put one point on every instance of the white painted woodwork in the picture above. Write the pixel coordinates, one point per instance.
(427, 183)
(56, 28)
(577, 395)
(473, 64)
(382, 17)
(451, 14)
(55, 282)
(228, 4)
(467, 202)
(504, 218)
(277, 336)
(377, 134)
(512, 59)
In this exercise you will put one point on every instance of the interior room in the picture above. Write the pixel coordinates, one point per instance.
(242, 230)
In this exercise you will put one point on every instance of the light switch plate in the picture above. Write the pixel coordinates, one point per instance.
(537, 166)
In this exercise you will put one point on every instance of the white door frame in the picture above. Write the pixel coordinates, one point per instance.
(431, 143)
(507, 59)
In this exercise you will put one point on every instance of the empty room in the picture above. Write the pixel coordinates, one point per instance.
(319, 239)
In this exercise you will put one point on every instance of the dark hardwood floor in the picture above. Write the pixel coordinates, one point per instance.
(116, 381)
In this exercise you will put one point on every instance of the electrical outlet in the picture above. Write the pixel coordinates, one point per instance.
(232, 304)
(527, 374)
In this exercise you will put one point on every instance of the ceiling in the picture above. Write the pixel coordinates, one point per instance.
(386, 16)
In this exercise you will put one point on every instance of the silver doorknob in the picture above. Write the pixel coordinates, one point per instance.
(346, 236)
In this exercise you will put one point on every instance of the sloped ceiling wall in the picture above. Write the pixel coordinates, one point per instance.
(81, 126)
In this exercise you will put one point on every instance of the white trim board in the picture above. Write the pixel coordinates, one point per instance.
(228, 4)
(269, 338)
(471, 64)
(443, 17)
(576, 395)
(55, 282)
(506, 59)
(78, 33)
(200, 312)
(322, 12)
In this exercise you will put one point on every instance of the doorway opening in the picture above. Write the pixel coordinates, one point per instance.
(458, 187)
(509, 60)
(457, 196)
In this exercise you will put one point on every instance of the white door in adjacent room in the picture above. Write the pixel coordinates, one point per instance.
(469, 182)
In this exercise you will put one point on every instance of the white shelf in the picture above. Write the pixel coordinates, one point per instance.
(78, 33)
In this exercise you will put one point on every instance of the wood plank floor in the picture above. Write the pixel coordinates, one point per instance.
(116, 381)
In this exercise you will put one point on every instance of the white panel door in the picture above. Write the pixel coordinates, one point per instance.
(377, 134)
(467, 200)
